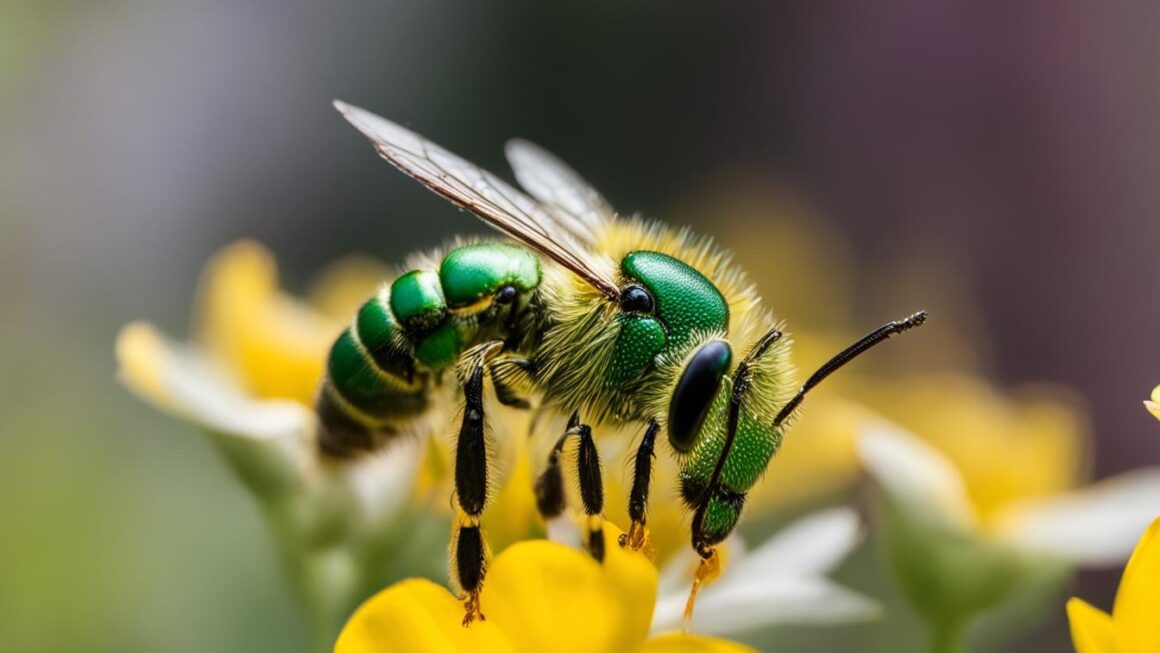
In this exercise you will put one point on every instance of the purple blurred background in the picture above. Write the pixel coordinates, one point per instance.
(1011, 152)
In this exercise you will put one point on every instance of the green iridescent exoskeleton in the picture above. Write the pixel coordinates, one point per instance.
(685, 303)
(605, 323)
(380, 368)
(754, 446)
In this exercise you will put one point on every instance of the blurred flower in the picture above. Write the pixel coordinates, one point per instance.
(781, 581)
(247, 378)
(988, 497)
(1133, 626)
(1153, 404)
(539, 596)
(1008, 470)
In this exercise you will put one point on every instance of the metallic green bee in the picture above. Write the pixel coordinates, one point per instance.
(616, 320)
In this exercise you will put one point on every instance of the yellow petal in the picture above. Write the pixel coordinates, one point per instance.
(141, 352)
(634, 579)
(1005, 449)
(512, 516)
(819, 458)
(548, 597)
(1153, 405)
(275, 345)
(678, 643)
(1138, 599)
(1091, 628)
(417, 616)
(345, 285)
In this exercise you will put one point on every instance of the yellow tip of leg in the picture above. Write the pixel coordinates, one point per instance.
(472, 609)
(637, 539)
(709, 569)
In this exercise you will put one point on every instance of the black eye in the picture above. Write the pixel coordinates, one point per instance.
(506, 295)
(695, 392)
(635, 299)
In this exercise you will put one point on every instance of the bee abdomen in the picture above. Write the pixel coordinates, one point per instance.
(379, 369)
(371, 385)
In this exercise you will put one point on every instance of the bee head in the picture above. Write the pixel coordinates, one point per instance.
(665, 309)
(663, 305)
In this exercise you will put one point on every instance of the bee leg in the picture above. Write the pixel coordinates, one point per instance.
(591, 491)
(549, 486)
(636, 537)
(707, 570)
(511, 377)
(468, 555)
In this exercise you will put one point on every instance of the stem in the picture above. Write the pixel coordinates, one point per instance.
(948, 637)
(320, 632)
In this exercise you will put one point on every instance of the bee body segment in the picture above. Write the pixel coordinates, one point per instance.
(381, 367)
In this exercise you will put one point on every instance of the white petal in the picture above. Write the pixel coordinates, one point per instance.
(183, 381)
(810, 546)
(564, 530)
(1153, 406)
(778, 582)
(1097, 525)
(915, 474)
(382, 482)
(676, 575)
(269, 443)
(724, 610)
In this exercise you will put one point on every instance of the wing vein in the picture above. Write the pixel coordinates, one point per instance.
(474, 189)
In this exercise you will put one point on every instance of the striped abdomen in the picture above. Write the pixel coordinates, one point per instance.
(380, 368)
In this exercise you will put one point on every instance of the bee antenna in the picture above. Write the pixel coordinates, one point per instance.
(848, 354)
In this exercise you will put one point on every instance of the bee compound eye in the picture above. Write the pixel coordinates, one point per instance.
(635, 299)
(695, 392)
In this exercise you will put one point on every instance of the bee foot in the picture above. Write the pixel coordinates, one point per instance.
(709, 569)
(637, 539)
(472, 609)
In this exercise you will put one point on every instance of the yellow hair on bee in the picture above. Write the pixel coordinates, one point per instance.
(585, 329)
(577, 345)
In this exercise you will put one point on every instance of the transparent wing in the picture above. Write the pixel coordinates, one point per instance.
(470, 187)
(573, 201)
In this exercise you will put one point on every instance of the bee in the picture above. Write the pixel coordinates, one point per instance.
(615, 321)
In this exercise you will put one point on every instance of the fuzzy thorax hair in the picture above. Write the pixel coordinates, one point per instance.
(582, 330)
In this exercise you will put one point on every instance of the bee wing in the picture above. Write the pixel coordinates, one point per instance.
(575, 203)
(469, 187)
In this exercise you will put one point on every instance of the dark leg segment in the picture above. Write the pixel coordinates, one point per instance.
(470, 564)
(591, 491)
(469, 552)
(511, 377)
(549, 486)
(471, 449)
(638, 497)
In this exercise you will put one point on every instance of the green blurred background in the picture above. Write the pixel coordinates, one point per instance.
(1010, 152)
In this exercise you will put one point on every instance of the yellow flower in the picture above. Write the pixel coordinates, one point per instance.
(987, 497)
(1153, 404)
(249, 374)
(539, 596)
(248, 377)
(1005, 470)
(1133, 626)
